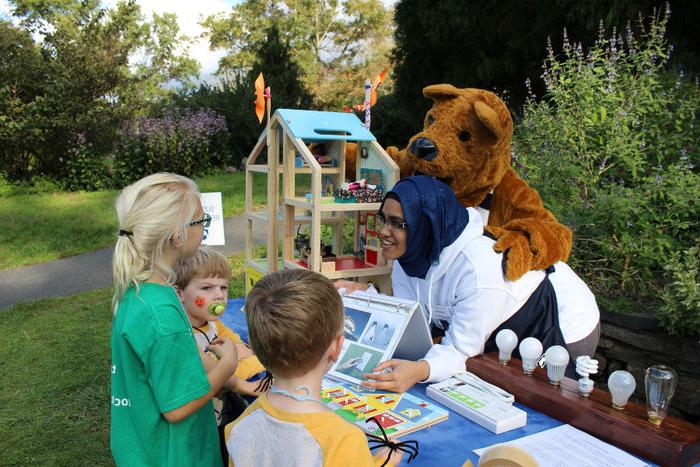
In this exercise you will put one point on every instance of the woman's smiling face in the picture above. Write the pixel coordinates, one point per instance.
(393, 238)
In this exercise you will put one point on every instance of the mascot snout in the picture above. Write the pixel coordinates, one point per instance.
(424, 149)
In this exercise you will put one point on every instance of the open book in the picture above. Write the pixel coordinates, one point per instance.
(377, 328)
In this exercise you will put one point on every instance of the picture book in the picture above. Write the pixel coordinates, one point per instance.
(398, 414)
(377, 328)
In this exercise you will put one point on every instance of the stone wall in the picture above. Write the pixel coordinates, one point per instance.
(635, 342)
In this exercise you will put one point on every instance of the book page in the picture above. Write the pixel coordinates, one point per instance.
(565, 445)
(372, 332)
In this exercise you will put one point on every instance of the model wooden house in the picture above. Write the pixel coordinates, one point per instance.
(310, 224)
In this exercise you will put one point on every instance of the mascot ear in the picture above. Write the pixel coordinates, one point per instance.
(441, 91)
(489, 118)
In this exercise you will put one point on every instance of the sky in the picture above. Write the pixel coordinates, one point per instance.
(189, 14)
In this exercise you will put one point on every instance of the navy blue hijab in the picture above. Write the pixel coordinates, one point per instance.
(435, 219)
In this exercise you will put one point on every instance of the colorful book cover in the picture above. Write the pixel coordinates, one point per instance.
(398, 414)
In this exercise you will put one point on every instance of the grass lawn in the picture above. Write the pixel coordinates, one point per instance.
(54, 362)
(44, 226)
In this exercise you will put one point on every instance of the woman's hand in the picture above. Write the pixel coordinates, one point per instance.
(350, 286)
(397, 375)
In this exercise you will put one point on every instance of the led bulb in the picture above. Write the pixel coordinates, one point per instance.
(530, 351)
(621, 384)
(557, 358)
(506, 340)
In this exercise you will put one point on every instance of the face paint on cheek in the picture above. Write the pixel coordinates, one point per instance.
(199, 301)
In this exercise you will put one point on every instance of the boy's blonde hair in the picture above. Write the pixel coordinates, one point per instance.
(150, 211)
(205, 263)
(293, 317)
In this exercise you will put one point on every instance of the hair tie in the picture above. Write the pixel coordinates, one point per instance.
(410, 447)
(125, 233)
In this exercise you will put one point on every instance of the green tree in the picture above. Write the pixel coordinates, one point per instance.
(498, 45)
(234, 95)
(91, 68)
(335, 43)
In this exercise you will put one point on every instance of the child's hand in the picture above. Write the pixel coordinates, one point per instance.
(395, 458)
(244, 351)
(225, 350)
(247, 388)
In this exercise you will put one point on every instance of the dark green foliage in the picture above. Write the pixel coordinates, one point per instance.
(497, 45)
(63, 99)
(282, 74)
(613, 150)
(234, 97)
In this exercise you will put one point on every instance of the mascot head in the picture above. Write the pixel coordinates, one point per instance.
(465, 141)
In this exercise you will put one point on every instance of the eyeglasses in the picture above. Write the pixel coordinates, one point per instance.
(205, 221)
(395, 223)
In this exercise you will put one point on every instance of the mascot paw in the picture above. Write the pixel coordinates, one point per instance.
(517, 257)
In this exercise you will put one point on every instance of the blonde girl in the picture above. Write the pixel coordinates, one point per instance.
(161, 411)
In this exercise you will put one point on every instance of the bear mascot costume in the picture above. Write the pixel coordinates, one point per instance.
(465, 142)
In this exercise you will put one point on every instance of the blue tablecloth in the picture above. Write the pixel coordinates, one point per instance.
(448, 443)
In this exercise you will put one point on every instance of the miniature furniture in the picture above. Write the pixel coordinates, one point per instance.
(300, 189)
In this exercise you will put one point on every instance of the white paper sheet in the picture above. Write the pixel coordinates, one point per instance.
(211, 204)
(565, 446)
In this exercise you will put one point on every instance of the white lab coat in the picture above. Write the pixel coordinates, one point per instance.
(468, 289)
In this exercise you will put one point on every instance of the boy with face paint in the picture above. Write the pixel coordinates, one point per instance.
(202, 286)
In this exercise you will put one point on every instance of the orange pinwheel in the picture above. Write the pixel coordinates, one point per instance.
(373, 91)
(260, 97)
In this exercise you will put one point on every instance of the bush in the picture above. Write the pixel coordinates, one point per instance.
(613, 150)
(85, 168)
(185, 142)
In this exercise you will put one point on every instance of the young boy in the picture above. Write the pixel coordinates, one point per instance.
(202, 286)
(295, 322)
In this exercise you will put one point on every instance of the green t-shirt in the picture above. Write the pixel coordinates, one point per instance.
(156, 368)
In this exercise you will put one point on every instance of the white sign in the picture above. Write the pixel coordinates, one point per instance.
(214, 234)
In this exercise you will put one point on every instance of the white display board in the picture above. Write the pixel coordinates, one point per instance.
(214, 234)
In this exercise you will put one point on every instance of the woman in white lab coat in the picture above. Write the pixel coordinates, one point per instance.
(446, 262)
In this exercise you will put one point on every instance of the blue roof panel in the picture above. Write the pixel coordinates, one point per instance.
(313, 125)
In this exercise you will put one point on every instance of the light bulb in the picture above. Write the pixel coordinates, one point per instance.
(586, 366)
(506, 340)
(660, 384)
(530, 351)
(621, 384)
(557, 358)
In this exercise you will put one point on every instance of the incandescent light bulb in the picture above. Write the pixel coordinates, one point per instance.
(621, 384)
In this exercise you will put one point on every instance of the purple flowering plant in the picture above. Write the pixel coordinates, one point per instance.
(181, 141)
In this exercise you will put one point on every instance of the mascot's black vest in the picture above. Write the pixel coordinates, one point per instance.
(538, 317)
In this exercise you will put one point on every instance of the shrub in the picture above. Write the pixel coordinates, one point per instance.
(185, 142)
(613, 150)
(85, 168)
